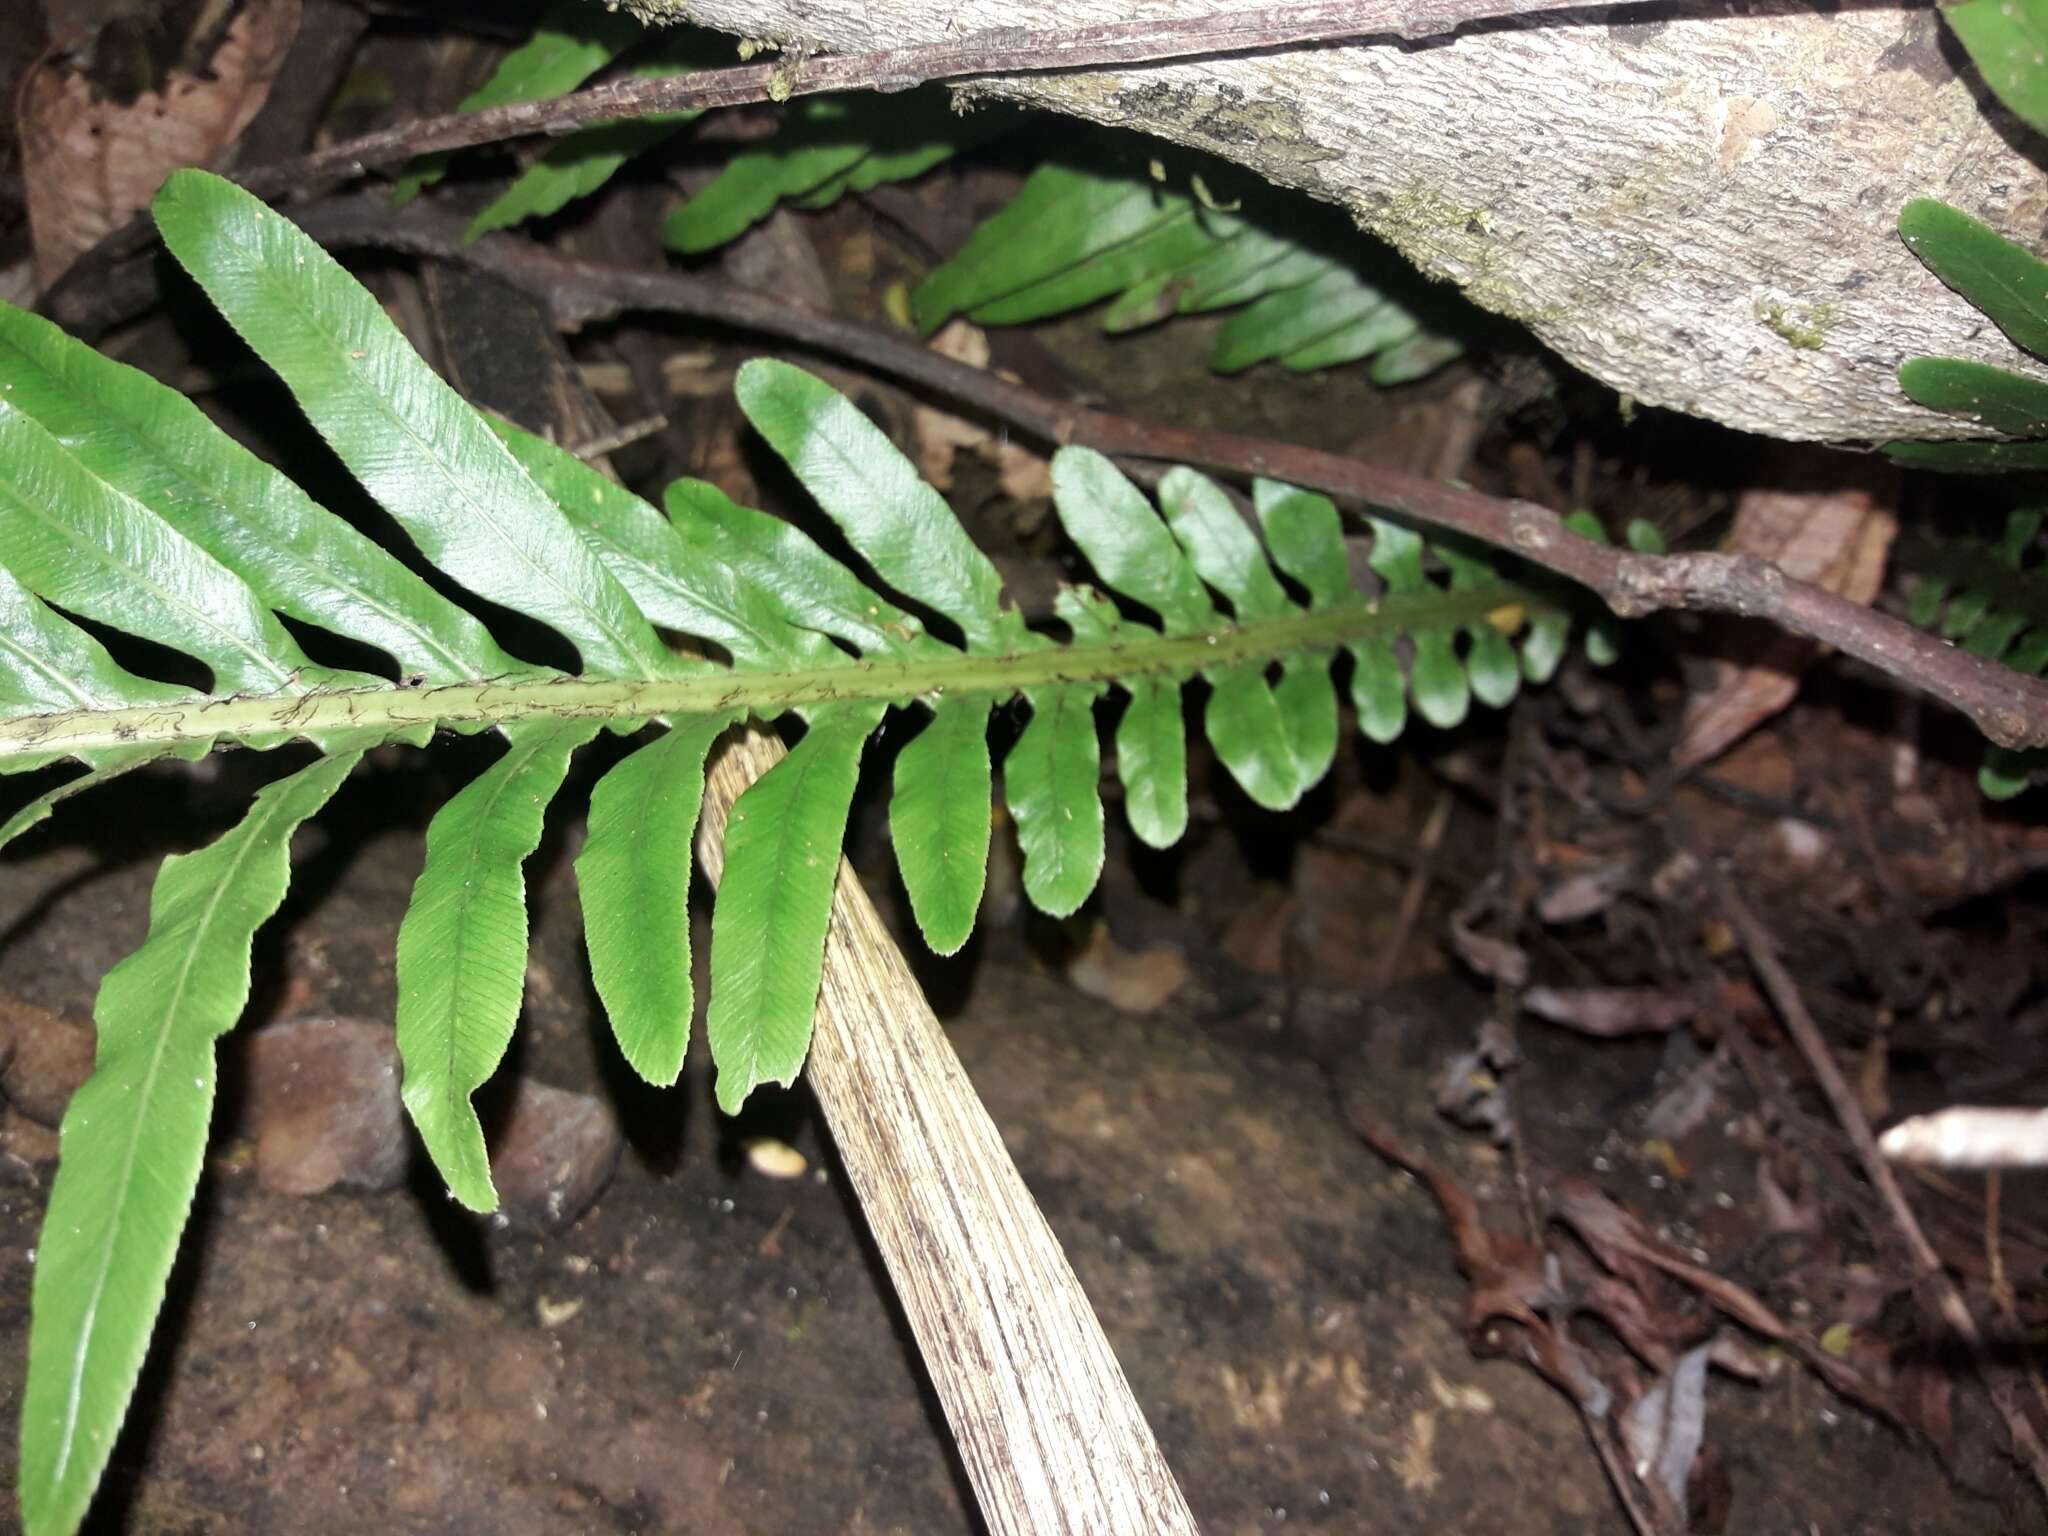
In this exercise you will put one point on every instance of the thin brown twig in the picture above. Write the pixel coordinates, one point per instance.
(1427, 846)
(2007, 706)
(1932, 1279)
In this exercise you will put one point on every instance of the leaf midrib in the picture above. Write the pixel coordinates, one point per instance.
(73, 1386)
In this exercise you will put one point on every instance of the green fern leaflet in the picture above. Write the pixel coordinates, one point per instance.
(121, 504)
(1071, 238)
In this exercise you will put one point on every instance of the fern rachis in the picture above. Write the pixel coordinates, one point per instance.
(121, 504)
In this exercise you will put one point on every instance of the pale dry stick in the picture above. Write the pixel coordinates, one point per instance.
(1051, 1437)
(1929, 1274)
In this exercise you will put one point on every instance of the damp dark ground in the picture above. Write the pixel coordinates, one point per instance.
(713, 1350)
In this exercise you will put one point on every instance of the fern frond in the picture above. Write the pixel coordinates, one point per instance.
(1071, 238)
(1991, 598)
(2010, 285)
(120, 503)
(827, 147)
(132, 1140)
(572, 43)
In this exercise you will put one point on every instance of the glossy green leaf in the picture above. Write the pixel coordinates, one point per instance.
(674, 585)
(1152, 762)
(939, 819)
(1543, 647)
(1072, 237)
(132, 1140)
(462, 947)
(1998, 399)
(1307, 701)
(1289, 320)
(1240, 270)
(806, 587)
(828, 146)
(1443, 694)
(774, 902)
(1147, 301)
(1112, 523)
(1380, 329)
(48, 663)
(1060, 217)
(1245, 726)
(900, 525)
(572, 43)
(1396, 558)
(1416, 358)
(2007, 774)
(1306, 539)
(2003, 279)
(1969, 458)
(1965, 611)
(1220, 546)
(1991, 636)
(633, 877)
(1492, 668)
(884, 164)
(1050, 786)
(1176, 236)
(1379, 693)
(573, 168)
(821, 138)
(411, 440)
(1151, 737)
(147, 441)
(93, 551)
(2008, 42)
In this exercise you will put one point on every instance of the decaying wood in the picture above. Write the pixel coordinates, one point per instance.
(1052, 1440)
(1698, 209)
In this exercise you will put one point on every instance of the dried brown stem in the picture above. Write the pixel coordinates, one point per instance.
(2008, 707)
(1932, 1280)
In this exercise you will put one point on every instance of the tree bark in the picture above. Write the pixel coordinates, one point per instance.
(1698, 208)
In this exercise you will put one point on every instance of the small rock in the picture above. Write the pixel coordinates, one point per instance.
(324, 1106)
(43, 1059)
(555, 1152)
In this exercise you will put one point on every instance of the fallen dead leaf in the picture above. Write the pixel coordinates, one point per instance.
(1136, 981)
(1024, 475)
(1838, 539)
(90, 162)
